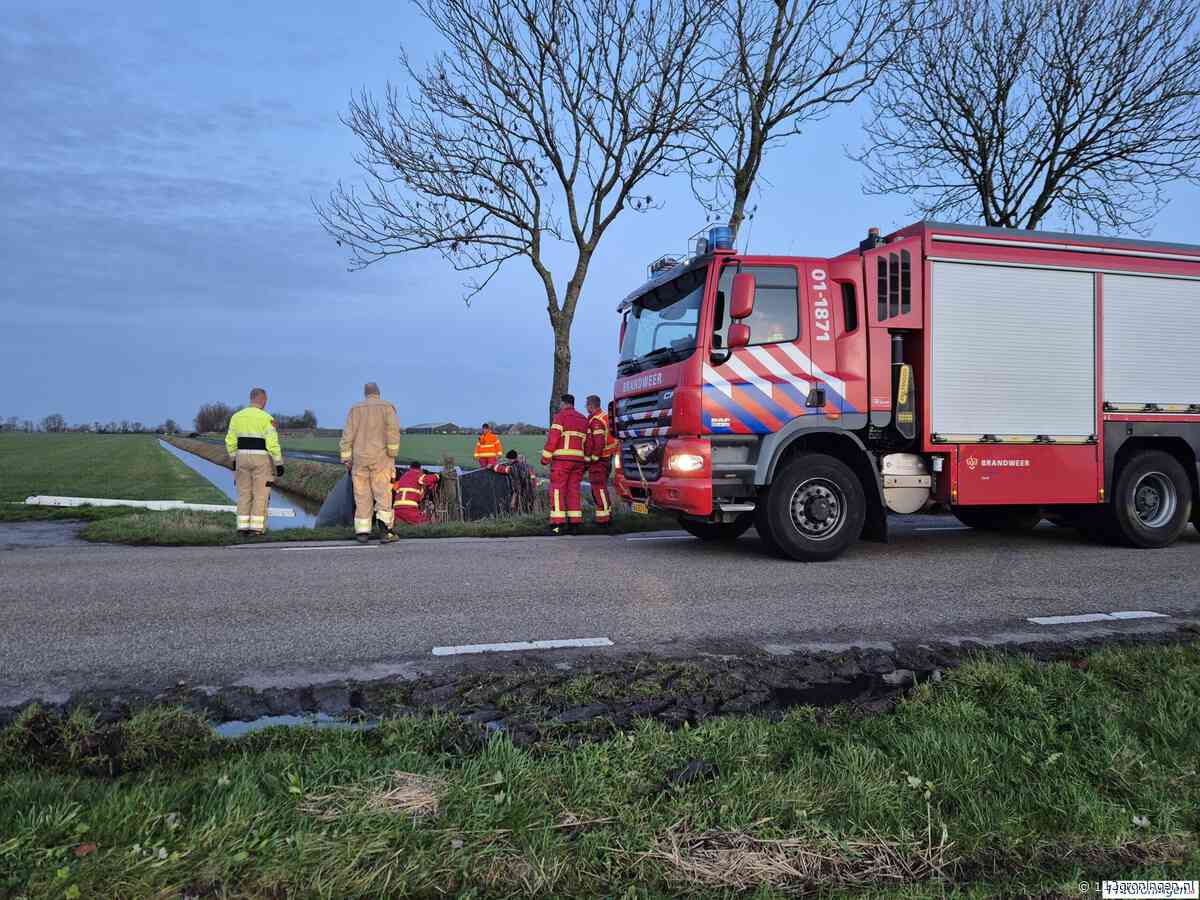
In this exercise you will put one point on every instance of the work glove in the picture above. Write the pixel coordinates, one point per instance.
(279, 471)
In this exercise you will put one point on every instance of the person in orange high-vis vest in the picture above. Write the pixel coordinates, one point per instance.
(488, 448)
(565, 455)
(408, 492)
(600, 448)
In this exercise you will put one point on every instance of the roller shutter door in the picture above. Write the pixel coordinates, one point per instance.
(1013, 351)
(1151, 327)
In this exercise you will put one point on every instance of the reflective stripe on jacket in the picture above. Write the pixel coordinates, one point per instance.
(600, 443)
(488, 447)
(252, 431)
(410, 488)
(372, 433)
(567, 437)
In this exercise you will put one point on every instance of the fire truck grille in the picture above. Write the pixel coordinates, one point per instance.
(646, 416)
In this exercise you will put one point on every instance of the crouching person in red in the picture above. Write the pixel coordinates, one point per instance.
(408, 493)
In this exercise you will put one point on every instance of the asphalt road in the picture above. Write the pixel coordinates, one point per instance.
(103, 616)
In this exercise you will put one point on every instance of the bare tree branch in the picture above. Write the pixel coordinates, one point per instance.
(790, 62)
(538, 124)
(1012, 113)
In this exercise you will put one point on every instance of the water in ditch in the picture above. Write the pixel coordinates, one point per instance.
(305, 510)
(240, 728)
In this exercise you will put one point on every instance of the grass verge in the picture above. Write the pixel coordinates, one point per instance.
(190, 528)
(22, 513)
(117, 466)
(1010, 777)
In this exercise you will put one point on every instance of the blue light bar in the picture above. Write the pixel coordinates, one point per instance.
(720, 238)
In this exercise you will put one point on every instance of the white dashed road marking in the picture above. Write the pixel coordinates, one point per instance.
(1096, 617)
(521, 645)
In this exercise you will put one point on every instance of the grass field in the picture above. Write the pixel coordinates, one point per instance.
(1010, 778)
(114, 466)
(431, 448)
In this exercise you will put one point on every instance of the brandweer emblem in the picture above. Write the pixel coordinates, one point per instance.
(972, 462)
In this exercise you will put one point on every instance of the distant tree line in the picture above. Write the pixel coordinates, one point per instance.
(215, 417)
(56, 423)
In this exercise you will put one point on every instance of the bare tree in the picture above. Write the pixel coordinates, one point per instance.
(790, 62)
(1010, 112)
(213, 417)
(54, 423)
(538, 125)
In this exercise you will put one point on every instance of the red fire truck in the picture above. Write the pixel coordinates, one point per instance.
(1009, 375)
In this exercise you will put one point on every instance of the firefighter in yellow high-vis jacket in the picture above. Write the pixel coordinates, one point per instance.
(254, 445)
(370, 442)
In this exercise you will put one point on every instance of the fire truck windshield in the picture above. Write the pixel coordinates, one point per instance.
(662, 324)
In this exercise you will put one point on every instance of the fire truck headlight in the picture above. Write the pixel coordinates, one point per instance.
(685, 462)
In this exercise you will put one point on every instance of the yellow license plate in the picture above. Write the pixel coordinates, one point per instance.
(643, 508)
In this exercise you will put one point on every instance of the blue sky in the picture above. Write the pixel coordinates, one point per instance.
(158, 248)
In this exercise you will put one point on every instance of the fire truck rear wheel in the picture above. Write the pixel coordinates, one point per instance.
(815, 508)
(999, 518)
(717, 531)
(1151, 500)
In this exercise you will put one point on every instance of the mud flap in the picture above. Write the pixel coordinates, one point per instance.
(875, 528)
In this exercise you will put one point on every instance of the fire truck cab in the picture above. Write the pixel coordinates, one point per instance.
(1008, 375)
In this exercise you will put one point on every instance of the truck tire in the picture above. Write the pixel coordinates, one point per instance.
(1152, 500)
(814, 509)
(999, 518)
(717, 531)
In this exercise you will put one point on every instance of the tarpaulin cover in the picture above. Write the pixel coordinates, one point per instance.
(484, 493)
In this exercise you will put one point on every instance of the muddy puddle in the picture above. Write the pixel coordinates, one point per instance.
(305, 510)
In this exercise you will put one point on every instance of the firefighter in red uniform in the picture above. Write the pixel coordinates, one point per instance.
(408, 492)
(565, 455)
(600, 448)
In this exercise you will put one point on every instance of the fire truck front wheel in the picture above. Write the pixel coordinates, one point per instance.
(1151, 500)
(814, 509)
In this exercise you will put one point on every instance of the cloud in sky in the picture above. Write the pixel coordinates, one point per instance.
(158, 248)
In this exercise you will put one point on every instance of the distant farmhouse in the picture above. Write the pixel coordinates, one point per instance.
(437, 428)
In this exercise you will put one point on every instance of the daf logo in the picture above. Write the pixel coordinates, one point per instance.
(972, 462)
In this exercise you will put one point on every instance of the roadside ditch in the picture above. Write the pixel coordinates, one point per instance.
(583, 697)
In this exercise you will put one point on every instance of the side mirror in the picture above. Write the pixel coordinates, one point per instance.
(742, 303)
(739, 334)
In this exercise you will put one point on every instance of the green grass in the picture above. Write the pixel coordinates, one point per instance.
(110, 466)
(21, 513)
(190, 528)
(1009, 778)
(429, 449)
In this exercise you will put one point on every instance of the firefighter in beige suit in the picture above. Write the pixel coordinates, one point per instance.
(370, 442)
